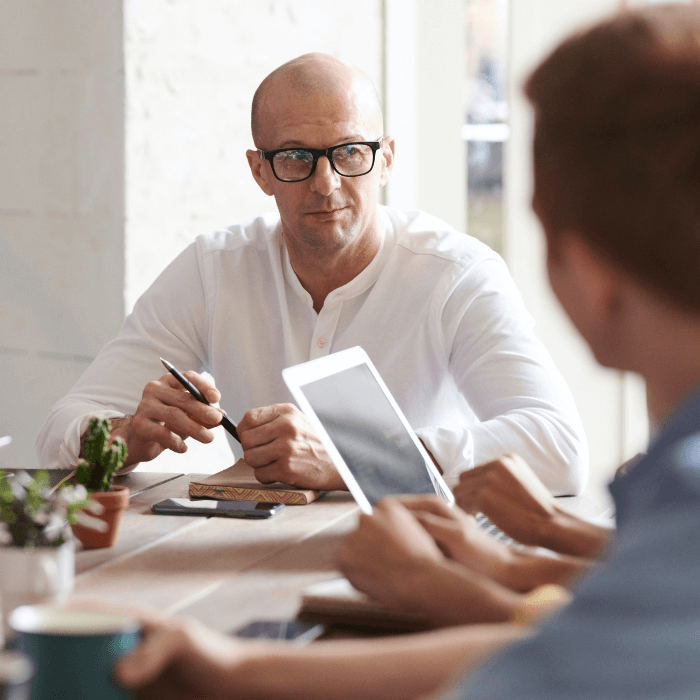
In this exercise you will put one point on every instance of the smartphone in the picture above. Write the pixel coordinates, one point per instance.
(289, 630)
(225, 509)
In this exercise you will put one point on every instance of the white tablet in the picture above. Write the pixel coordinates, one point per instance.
(362, 428)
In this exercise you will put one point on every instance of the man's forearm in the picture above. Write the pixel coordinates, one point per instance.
(568, 534)
(451, 594)
(394, 667)
(527, 570)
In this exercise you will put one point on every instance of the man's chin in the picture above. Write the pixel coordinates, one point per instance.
(332, 235)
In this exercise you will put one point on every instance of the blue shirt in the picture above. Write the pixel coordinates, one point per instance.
(633, 630)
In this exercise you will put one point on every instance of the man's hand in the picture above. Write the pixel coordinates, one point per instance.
(179, 659)
(509, 493)
(460, 538)
(166, 416)
(393, 558)
(280, 445)
(386, 550)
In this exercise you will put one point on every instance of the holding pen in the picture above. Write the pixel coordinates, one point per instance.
(228, 424)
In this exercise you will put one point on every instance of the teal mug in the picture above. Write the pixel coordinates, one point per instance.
(73, 651)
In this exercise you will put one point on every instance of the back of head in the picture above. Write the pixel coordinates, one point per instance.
(617, 145)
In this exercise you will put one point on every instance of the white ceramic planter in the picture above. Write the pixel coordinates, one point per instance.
(29, 576)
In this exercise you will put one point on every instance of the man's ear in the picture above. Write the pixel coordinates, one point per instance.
(597, 281)
(387, 151)
(260, 172)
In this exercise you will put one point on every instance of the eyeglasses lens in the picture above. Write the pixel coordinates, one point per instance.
(350, 159)
(293, 165)
(354, 159)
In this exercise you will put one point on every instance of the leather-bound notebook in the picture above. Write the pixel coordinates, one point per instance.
(238, 483)
(336, 602)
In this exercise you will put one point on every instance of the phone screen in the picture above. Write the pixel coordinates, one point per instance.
(226, 509)
(298, 631)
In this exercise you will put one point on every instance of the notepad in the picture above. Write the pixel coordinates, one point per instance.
(336, 602)
(238, 483)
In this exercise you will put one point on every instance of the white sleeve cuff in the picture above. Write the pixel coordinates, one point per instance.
(69, 449)
(453, 450)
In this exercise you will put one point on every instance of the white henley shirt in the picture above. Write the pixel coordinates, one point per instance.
(436, 310)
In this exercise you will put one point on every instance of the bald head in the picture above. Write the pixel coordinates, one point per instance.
(307, 78)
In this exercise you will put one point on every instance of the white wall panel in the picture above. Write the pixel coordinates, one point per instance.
(61, 202)
(425, 47)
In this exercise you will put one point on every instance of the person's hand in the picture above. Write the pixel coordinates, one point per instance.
(509, 493)
(179, 658)
(392, 558)
(166, 416)
(459, 537)
(385, 550)
(280, 445)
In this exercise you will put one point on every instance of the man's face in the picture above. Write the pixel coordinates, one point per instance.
(327, 212)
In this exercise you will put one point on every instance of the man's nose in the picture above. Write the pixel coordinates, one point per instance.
(325, 180)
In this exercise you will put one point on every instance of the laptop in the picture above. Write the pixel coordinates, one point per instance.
(363, 429)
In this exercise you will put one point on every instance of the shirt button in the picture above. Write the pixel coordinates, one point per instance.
(321, 342)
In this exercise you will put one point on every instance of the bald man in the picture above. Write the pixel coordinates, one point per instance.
(436, 311)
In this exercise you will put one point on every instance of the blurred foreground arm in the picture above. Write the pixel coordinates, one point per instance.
(416, 554)
(439, 564)
(461, 539)
(180, 659)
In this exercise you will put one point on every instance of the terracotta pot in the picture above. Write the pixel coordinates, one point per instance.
(114, 502)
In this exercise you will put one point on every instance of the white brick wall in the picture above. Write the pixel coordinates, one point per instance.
(191, 71)
(61, 203)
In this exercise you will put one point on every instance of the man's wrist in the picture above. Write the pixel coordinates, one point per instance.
(448, 593)
(527, 571)
(335, 481)
(120, 427)
(568, 534)
(511, 571)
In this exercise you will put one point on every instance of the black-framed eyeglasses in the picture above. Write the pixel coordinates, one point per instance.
(347, 159)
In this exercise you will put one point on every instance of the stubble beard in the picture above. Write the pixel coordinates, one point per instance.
(333, 238)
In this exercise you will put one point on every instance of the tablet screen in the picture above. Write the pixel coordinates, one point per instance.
(368, 434)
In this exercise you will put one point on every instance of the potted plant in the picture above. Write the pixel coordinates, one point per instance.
(37, 560)
(95, 473)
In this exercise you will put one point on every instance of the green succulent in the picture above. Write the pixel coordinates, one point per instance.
(102, 460)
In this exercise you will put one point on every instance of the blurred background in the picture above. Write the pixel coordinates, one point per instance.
(123, 130)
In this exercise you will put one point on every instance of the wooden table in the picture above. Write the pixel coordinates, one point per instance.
(225, 572)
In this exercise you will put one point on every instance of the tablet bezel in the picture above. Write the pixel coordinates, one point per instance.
(298, 376)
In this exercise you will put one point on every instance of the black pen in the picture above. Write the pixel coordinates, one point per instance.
(228, 424)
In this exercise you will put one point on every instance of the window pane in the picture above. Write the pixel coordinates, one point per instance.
(485, 129)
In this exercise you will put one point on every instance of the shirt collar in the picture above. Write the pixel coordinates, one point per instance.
(683, 421)
(355, 286)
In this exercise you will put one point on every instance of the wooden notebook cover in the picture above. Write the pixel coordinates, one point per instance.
(238, 483)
